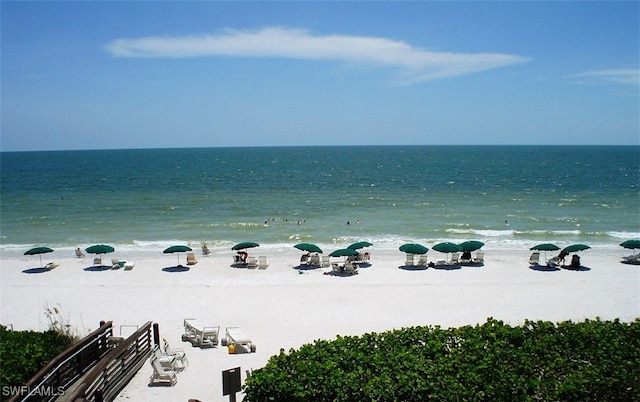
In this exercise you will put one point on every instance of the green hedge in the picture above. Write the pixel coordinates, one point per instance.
(590, 361)
(24, 353)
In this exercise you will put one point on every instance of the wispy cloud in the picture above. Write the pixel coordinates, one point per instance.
(621, 76)
(415, 64)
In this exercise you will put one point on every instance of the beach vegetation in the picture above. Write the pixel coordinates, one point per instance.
(593, 360)
(24, 353)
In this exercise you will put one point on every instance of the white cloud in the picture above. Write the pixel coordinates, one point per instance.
(620, 76)
(416, 64)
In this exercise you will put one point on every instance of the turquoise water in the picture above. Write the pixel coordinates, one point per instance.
(507, 195)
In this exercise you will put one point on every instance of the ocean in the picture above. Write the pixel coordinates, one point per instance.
(510, 197)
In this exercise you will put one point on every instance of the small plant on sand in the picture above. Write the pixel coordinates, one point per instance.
(60, 324)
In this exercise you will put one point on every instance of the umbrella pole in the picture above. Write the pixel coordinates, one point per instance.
(40, 255)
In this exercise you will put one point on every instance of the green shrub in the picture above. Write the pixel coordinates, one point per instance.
(589, 361)
(24, 353)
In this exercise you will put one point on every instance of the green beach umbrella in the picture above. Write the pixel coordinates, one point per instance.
(470, 245)
(632, 244)
(413, 248)
(39, 251)
(99, 249)
(343, 252)
(177, 249)
(359, 245)
(446, 247)
(312, 248)
(244, 244)
(574, 248)
(545, 247)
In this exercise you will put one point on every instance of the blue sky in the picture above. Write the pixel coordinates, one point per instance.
(99, 75)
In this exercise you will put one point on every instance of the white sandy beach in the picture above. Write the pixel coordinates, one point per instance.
(281, 307)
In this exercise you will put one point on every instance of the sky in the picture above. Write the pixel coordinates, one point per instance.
(161, 74)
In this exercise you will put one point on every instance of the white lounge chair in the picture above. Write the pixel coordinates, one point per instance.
(252, 262)
(325, 261)
(315, 261)
(115, 263)
(535, 258)
(199, 334)
(162, 375)
(97, 261)
(479, 258)
(262, 262)
(349, 268)
(178, 354)
(455, 259)
(165, 360)
(422, 260)
(631, 259)
(554, 262)
(128, 265)
(51, 265)
(237, 342)
(191, 259)
(408, 260)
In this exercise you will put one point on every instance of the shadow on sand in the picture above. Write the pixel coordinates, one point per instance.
(543, 268)
(98, 268)
(580, 268)
(38, 270)
(179, 268)
(413, 267)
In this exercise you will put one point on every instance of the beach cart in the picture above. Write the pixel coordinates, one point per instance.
(199, 334)
(237, 342)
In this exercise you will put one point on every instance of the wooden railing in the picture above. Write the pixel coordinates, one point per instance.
(115, 370)
(54, 378)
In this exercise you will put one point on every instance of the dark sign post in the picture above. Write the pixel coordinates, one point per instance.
(231, 383)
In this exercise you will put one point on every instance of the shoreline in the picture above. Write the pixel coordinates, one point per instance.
(281, 307)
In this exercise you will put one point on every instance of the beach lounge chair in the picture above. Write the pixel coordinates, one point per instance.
(409, 260)
(455, 259)
(325, 261)
(479, 258)
(128, 265)
(349, 268)
(262, 262)
(97, 261)
(422, 260)
(252, 262)
(191, 259)
(631, 259)
(166, 361)
(199, 334)
(178, 354)
(237, 342)
(554, 261)
(535, 258)
(162, 375)
(51, 265)
(315, 261)
(115, 263)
